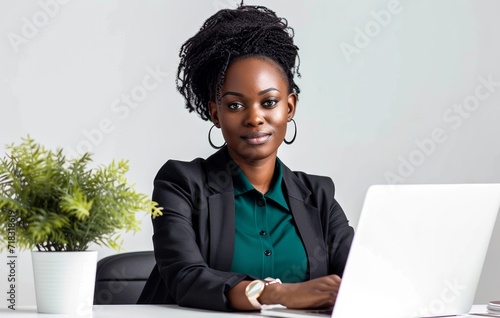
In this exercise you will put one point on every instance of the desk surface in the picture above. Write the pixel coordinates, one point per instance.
(125, 311)
(149, 311)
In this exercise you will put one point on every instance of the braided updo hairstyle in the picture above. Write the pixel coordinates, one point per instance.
(228, 35)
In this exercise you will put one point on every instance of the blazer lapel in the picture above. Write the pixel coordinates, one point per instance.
(219, 168)
(307, 220)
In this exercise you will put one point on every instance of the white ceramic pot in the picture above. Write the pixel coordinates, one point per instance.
(64, 281)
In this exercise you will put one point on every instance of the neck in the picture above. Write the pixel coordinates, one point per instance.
(259, 173)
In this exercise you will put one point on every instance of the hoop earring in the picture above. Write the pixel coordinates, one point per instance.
(210, 140)
(294, 134)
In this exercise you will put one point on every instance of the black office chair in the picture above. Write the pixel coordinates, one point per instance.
(120, 278)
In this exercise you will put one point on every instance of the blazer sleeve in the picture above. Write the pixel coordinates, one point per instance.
(339, 240)
(334, 230)
(180, 189)
(339, 233)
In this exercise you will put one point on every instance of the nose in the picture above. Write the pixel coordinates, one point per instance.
(255, 116)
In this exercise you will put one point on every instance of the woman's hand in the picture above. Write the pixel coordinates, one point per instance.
(315, 293)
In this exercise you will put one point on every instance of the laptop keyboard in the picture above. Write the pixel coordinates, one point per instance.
(326, 312)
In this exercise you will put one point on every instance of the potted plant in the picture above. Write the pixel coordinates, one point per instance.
(59, 206)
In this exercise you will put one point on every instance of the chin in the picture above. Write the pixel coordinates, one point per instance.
(257, 152)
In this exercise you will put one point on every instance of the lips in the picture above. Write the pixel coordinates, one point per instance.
(257, 138)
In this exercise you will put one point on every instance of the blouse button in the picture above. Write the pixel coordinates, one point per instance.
(262, 233)
(267, 253)
(260, 203)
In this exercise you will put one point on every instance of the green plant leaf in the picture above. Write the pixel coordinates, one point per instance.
(51, 202)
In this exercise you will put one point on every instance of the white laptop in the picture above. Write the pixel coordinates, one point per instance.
(418, 251)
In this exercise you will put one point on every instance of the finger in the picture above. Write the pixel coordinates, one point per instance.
(333, 280)
(336, 278)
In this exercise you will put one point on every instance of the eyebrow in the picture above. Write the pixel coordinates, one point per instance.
(241, 95)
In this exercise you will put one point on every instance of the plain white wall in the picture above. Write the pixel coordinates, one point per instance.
(392, 91)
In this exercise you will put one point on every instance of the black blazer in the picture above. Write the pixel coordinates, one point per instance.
(194, 239)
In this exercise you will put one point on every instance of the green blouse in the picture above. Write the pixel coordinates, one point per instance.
(267, 243)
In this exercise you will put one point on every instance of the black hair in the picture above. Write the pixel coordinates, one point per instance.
(228, 35)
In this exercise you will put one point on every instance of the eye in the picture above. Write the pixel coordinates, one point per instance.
(270, 103)
(234, 106)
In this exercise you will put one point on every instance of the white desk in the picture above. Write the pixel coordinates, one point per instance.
(132, 311)
(147, 311)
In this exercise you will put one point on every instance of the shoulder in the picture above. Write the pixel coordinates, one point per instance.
(313, 181)
(314, 189)
(197, 169)
(175, 169)
(188, 177)
(316, 184)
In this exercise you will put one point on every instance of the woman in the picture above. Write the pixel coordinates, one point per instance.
(240, 229)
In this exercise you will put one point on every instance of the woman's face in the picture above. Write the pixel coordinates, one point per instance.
(253, 109)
